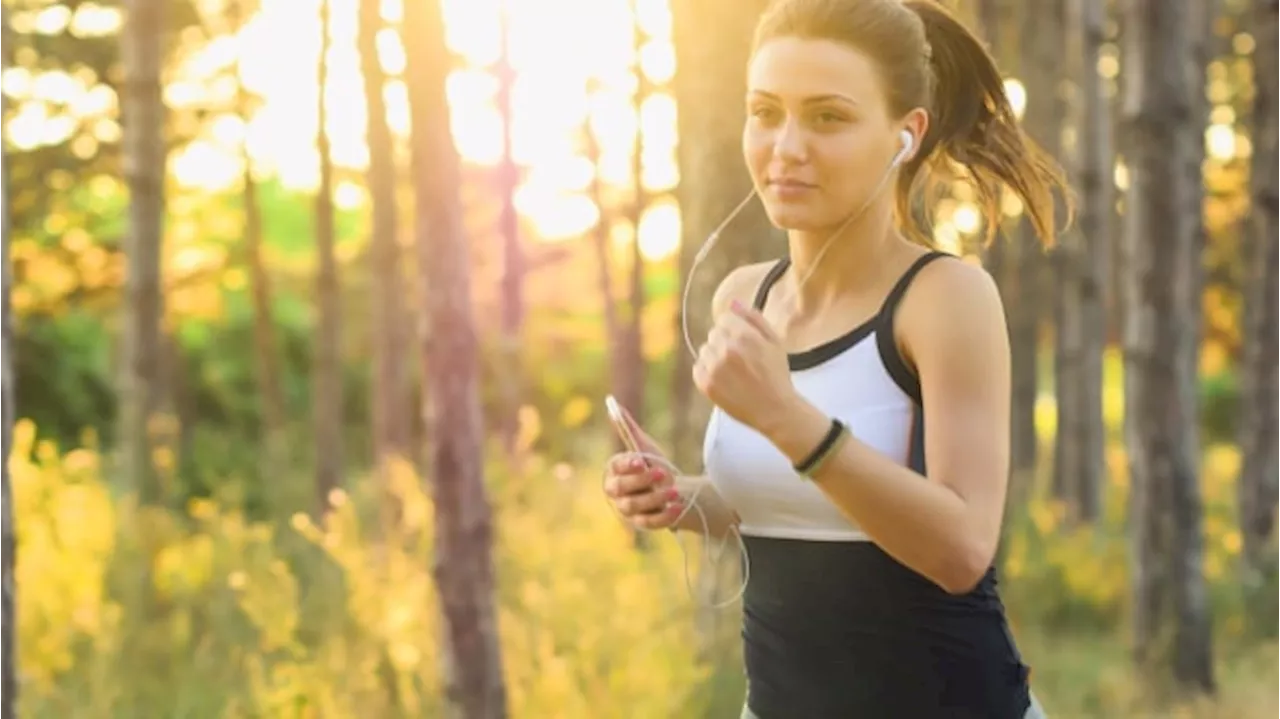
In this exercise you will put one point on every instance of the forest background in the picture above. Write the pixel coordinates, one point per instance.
(307, 327)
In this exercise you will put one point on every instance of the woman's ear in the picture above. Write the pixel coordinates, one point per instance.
(915, 122)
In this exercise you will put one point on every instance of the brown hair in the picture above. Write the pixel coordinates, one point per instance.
(927, 58)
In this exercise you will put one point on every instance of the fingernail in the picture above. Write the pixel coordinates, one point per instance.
(736, 304)
(676, 507)
(673, 493)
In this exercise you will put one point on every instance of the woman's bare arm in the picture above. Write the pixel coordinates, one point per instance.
(946, 525)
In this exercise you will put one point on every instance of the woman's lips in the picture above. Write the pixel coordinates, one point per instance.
(786, 188)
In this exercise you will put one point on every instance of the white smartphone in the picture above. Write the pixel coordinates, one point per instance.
(620, 423)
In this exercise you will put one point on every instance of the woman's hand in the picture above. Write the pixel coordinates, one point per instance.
(645, 496)
(642, 490)
(743, 369)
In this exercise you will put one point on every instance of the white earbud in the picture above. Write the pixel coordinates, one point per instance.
(908, 144)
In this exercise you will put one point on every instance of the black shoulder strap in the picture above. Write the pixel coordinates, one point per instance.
(771, 278)
(894, 364)
(900, 287)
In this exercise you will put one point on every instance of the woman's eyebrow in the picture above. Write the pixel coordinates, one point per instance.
(811, 100)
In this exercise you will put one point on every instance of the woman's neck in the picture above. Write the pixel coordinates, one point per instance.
(828, 263)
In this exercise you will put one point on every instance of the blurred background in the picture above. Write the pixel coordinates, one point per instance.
(311, 307)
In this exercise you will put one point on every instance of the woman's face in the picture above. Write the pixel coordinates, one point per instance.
(819, 135)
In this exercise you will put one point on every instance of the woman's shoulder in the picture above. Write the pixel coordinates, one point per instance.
(740, 284)
(951, 306)
(961, 285)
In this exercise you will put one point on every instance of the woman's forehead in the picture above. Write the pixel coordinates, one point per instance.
(799, 69)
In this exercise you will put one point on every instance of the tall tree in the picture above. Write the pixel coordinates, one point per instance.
(8, 547)
(266, 361)
(601, 242)
(142, 40)
(632, 366)
(998, 21)
(464, 571)
(624, 320)
(710, 88)
(1258, 422)
(513, 255)
(327, 371)
(1040, 51)
(1079, 454)
(1160, 130)
(391, 407)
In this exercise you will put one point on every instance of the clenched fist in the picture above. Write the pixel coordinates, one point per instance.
(743, 368)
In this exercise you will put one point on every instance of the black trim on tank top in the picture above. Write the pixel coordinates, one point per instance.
(882, 321)
(894, 364)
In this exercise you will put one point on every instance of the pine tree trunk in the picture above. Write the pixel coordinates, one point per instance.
(142, 121)
(1258, 421)
(266, 365)
(600, 237)
(709, 89)
(1040, 65)
(633, 361)
(8, 547)
(327, 372)
(1080, 452)
(993, 15)
(513, 270)
(1171, 620)
(1068, 329)
(391, 407)
(463, 566)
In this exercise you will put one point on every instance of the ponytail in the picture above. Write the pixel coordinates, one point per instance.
(973, 126)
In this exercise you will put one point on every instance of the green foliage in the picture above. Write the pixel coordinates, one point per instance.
(1220, 406)
(63, 367)
(66, 332)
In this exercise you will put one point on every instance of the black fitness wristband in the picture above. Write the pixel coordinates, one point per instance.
(824, 449)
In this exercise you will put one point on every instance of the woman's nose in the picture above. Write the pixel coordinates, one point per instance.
(789, 142)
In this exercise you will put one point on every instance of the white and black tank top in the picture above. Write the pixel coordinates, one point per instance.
(833, 627)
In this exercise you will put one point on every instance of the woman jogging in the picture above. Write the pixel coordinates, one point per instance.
(860, 437)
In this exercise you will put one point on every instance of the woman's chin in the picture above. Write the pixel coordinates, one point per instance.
(795, 219)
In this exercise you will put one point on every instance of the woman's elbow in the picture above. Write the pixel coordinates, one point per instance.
(966, 568)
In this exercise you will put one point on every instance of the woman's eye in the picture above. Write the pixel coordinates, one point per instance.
(764, 114)
(828, 117)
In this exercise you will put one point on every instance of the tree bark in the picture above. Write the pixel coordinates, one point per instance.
(142, 49)
(8, 547)
(391, 408)
(1079, 456)
(1161, 130)
(327, 372)
(267, 369)
(600, 238)
(633, 363)
(993, 16)
(1258, 421)
(463, 566)
(710, 87)
(1041, 62)
(513, 269)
